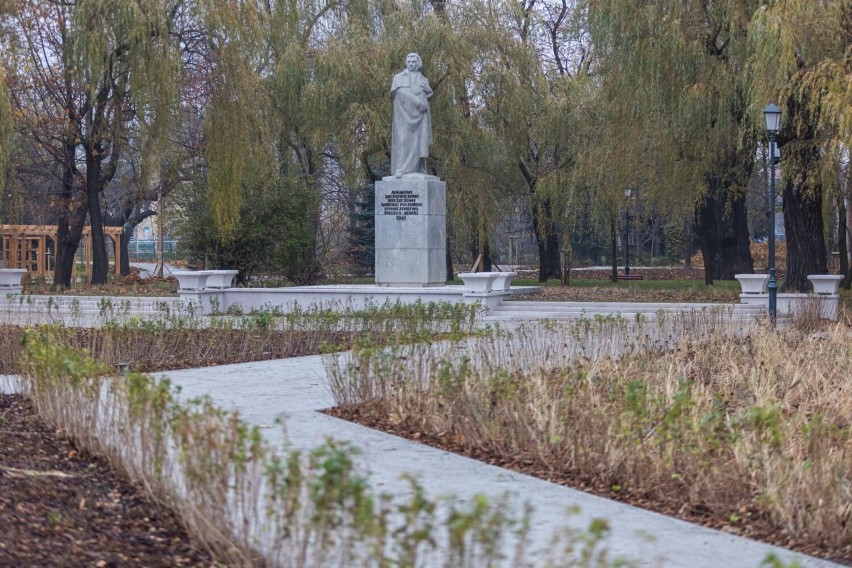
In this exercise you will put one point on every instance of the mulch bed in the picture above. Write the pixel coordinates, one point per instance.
(62, 507)
(751, 523)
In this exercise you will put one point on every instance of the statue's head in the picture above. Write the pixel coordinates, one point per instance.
(413, 62)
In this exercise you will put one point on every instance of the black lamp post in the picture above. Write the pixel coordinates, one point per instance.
(772, 114)
(627, 193)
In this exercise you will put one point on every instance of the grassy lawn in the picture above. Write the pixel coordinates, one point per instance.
(668, 290)
(668, 284)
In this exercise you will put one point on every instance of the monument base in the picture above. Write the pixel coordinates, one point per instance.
(411, 232)
(409, 284)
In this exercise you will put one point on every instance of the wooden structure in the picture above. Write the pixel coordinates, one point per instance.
(28, 246)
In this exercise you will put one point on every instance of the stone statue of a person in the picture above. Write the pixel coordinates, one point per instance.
(412, 122)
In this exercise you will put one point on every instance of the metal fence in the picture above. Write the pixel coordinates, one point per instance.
(142, 250)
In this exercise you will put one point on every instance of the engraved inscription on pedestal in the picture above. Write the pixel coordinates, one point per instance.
(401, 203)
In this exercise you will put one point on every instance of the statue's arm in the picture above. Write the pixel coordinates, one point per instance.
(396, 84)
(427, 90)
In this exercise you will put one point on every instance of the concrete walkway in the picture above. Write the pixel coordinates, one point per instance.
(296, 389)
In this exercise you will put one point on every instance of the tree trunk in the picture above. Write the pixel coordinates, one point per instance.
(687, 244)
(542, 218)
(801, 189)
(613, 234)
(72, 217)
(548, 242)
(803, 223)
(486, 257)
(124, 247)
(480, 251)
(805, 239)
(843, 237)
(70, 231)
(100, 261)
(721, 222)
(449, 261)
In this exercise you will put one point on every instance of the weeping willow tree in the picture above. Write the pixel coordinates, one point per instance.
(296, 88)
(263, 123)
(127, 65)
(232, 119)
(560, 199)
(287, 101)
(87, 70)
(477, 96)
(802, 57)
(519, 96)
(674, 120)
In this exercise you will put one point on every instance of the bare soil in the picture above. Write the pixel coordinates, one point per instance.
(62, 507)
(749, 524)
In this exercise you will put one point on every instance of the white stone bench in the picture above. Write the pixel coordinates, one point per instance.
(478, 282)
(753, 283)
(191, 279)
(825, 284)
(486, 282)
(220, 278)
(11, 280)
(503, 280)
(204, 279)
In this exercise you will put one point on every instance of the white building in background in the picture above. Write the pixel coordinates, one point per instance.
(147, 229)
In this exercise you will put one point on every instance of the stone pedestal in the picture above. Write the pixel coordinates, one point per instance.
(411, 231)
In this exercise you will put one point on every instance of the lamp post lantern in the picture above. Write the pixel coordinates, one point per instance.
(627, 193)
(772, 114)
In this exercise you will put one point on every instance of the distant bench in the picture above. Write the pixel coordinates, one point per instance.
(630, 277)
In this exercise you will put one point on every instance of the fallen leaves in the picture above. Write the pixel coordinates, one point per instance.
(58, 511)
(15, 472)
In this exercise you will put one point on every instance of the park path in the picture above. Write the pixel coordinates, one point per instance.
(296, 389)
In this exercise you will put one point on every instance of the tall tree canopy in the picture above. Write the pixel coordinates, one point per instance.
(673, 112)
(802, 58)
(83, 71)
(545, 110)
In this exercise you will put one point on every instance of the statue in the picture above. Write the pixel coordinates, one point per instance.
(412, 122)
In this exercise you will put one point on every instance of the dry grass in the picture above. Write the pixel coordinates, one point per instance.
(251, 505)
(177, 339)
(145, 350)
(755, 428)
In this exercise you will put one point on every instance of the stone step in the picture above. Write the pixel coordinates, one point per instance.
(532, 305)
(533, 310)
(604, 309)
(627, 316)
